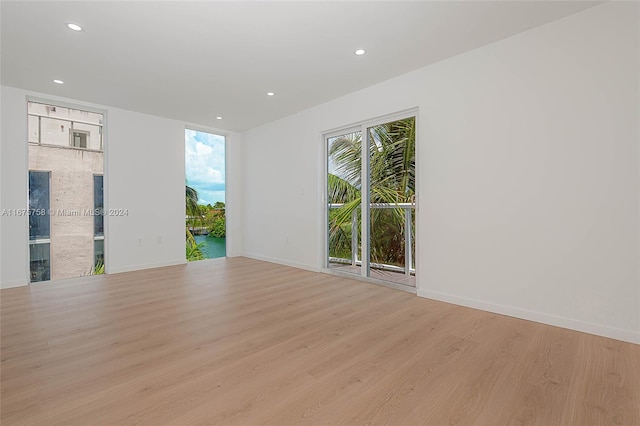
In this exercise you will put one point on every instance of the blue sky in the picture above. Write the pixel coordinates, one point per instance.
(204, 158)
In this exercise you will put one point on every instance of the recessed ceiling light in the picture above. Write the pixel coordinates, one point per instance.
(58, 81)
(74, 27)
(360, 52)
(270, 93)
(218, 118)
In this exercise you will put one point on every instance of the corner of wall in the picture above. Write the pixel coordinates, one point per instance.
(12, 284)
(632, 336)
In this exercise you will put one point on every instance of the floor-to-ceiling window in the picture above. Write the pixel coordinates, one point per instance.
(39, 226)
(98, 223)
(205, 195)
(371, 200)
(66, 201)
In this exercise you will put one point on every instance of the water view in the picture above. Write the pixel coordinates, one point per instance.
(213, 247)
(204, 195)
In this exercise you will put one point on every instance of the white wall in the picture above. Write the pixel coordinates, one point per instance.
(13, 193)
(528, 174)
(234, 200)
(144, 174)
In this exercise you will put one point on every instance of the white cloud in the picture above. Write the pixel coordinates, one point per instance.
(205, 165)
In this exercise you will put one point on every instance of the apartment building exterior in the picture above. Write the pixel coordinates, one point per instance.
(66, 166)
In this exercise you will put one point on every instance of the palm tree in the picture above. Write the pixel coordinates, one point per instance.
(193, 249)
(391, 181)
(191, 197)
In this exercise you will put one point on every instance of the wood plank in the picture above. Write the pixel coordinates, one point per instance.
(240, 341)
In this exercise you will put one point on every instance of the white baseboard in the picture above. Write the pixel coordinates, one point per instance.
(145, 266)
(281, 262)
(558, 321)
(12, 284)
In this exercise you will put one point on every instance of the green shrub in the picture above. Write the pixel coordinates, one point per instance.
(218, 227)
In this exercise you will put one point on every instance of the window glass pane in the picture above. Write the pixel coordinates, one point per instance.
(94, 134)
(54, 131)
(63, 200)
(98, 205)
(98, 252)
(344, 214)
(39, 204)
(34, 129)
(79, 139)
(392, 190)
(39, 262)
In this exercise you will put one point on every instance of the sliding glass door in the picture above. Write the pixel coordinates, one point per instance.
(371, 200)
(392, 200)
(344, 202)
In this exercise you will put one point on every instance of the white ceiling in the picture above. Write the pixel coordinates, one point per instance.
(193, 61)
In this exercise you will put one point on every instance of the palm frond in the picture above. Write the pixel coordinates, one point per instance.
(191, 198)
(193, 249)
(339, 190)
(344, 152)
(391, 180)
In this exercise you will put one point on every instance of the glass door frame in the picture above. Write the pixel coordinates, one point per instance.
(365, 206)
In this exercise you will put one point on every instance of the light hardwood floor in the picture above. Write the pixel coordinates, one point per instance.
(239, 341)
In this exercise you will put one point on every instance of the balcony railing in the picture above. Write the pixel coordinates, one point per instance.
(408, 268)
